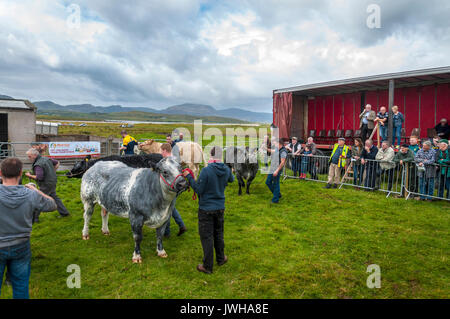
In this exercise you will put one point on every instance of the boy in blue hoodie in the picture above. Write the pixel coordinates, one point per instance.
(210, 188)
(18, 204)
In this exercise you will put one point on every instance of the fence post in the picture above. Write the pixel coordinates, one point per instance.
(406, 185)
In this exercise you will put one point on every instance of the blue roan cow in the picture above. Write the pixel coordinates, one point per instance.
(144, 196)
(244, 162)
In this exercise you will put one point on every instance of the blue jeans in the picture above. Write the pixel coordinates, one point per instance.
(274, 185)
(383, 132)
(176, 215)
(444, 183)
(426, 186)
(17, 260)
(305, 162)
(397, 134)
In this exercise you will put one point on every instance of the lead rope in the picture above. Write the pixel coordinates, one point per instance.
(194, 196)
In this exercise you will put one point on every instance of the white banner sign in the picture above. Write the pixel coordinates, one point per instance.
(73, 149)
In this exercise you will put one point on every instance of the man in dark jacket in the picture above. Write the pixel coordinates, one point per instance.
(18, 204)
(405, 157)
(443, 129)
(210, 188)
(44, 173)
(443, 160)
(368, 161)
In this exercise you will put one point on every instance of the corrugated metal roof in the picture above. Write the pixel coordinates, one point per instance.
(375, 82)
(15, 104)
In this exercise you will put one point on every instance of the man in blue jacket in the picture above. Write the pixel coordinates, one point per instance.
(210, 188)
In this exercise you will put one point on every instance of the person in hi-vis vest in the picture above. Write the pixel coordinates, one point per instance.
(337, 161)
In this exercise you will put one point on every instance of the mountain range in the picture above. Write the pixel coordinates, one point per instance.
(182, 109)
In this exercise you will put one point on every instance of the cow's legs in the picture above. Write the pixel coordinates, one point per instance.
(159, 240)
(240, 182)
(249, 181)
(136, 226)
(105, 229)
(88, 210)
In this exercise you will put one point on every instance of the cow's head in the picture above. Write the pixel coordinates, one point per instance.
(147, 143)
(79, 168)
(170, 172)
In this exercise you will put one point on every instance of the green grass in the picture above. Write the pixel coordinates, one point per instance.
(315, 244)
(147, 131)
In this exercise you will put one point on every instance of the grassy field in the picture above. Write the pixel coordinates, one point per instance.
(155, 131)
(315, 244)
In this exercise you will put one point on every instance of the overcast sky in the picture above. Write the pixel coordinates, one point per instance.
(222, 53)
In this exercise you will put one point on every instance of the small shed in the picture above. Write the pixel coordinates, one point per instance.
(17, 126)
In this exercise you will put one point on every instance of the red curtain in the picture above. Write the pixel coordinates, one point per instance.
(443, 102)
(282, 113)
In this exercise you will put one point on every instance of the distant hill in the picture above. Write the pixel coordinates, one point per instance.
(236, 113)
(89, 108)
(191, 109)
(5, 97)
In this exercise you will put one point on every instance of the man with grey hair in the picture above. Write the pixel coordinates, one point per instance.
(425, 159)
(385, 156)
(367, 124)
(44, 173)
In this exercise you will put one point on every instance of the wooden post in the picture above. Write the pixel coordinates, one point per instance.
(391, 115)
(378, 136)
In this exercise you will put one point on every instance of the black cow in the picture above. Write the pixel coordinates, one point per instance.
(244, 162)
(135, 161)
(143, 195)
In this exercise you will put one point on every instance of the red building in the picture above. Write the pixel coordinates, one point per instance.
(330, 110)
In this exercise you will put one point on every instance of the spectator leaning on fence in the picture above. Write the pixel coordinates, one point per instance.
(385, 156)
(398, 120)
(312, 161)
(425, 159)
(368, 155)
(443, 129)
(405, 158)
(128, 143)
(435, 141)
(305, 161)
(366, 125)
(337, 161)
(382, 120)
(18, 206)
(295, 148)
(44, 173)
(357, 149)
(443, 160)
(414, 144)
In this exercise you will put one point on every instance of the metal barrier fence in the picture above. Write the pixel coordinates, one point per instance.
(314, 167)
(383, 176)
(430, 181)
(405, 180)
